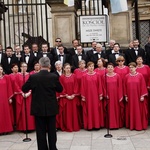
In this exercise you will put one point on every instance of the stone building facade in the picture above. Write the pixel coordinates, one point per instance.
(63, 21)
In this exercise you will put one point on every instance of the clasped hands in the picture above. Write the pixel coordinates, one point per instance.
(25, 95)
(70, 97)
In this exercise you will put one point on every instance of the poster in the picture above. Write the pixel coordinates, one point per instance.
(93, 28)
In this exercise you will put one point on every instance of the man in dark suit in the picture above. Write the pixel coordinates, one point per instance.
(64, 58)
(99, 54)
(110, 48)
(35, 50)
(54, 51)
(44, 107)
(132, 54)
(28, 58)
(116, 53)
(77, 57)
(45, 53)
(8, 59)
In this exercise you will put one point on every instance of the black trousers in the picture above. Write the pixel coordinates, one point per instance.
(43, 125)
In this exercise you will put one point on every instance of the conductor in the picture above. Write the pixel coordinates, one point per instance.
(44, 106)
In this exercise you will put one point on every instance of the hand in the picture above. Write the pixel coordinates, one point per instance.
(142, 99)
(23, 95)
(27, 94)
(68, 97)
(126, 98)
(83, 99)
(10, 101)
(100, 97)
(73, 96)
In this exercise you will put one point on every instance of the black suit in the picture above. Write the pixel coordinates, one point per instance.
(30, 62)
(54, 51)
(66, 58)
(75, 60)
(72, 51)
(89, 54)
(6, 65)
(147, 50)
(131, 56)
(112, 58)
(44, 107)
(95, 57)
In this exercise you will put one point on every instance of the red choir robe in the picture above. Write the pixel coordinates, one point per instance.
(122, 72)
(20, 105)
(12, 77)
(79, 73)
(114, 108)
(136, 110)
(145, 71)
(91, 90)
(5, 94)
(69, 109)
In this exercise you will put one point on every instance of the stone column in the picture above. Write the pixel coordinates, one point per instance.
(121, 27)
(63, 23)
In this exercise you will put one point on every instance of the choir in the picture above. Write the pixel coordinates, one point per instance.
(94, 95)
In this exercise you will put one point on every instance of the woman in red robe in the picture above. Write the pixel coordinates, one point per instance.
(136, 105)
(6, 94)
(91, 93)
(79, 72)
(113, 92)
(101, 67)
(122, 70)
(12, 77)
(21, 99)
(145, 71)
(69, 102)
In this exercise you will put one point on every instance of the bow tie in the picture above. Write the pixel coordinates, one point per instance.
(79, 54)
(136, 49)
(9, 56)
(61, 55)
(44, 53)
(116, 53)
(98, 53)
(26, 55)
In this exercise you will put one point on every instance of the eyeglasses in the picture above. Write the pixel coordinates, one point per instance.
(120, 60)
(57, 41)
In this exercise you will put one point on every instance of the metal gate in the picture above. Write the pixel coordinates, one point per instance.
(24, 19)
(144, 31)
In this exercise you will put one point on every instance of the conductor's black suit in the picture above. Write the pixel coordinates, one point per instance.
(44, 106)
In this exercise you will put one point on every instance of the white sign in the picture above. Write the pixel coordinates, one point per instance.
(93, 28)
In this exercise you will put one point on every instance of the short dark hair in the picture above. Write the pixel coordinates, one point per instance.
(9, 47)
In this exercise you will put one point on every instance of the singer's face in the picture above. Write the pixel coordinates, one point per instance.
(67, 69)
(91, 68)
(15, 69)
(1, 70)
(139, 60)
(110, 68)
(99, 62)
(24, 67)
(82, 65)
